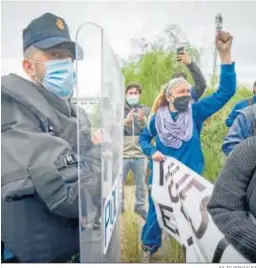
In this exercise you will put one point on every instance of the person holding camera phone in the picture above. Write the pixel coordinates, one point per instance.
(200, 84)
(135, 120)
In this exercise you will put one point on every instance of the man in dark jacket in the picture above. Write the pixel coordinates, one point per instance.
(39, 145)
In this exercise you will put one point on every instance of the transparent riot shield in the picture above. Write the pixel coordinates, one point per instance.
(100, 103)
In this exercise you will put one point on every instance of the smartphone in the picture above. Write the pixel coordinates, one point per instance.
(180, 50)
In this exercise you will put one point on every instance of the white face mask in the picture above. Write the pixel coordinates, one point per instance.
(132, 99)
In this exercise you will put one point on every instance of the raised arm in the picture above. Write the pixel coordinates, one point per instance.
(214, 102)
(198, 77)
(199, 80)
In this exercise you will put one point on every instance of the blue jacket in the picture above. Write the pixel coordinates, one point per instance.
(190, 152)
(240, 105)
(244, 127)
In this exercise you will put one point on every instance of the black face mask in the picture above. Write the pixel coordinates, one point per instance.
(181, 103)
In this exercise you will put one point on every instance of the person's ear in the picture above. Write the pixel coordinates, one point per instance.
(29, 68)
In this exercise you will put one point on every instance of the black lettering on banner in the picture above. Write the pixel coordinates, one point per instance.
(177, 232)
(175, 171)
(183, 212)
(174, 199)
(166, 218)
(182, 180)
(161, 171)
(222, 245)
(192, 183)
(169, 173)
(190, 241)
(205, 220)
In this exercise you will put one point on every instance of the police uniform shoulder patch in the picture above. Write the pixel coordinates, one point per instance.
(60, 24)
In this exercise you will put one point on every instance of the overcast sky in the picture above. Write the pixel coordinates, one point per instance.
(125, 20)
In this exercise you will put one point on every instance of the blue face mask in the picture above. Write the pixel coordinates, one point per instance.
(59, 78)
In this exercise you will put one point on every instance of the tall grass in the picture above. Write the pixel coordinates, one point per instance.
(213, 134)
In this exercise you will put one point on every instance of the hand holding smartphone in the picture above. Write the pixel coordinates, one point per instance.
(180, 50)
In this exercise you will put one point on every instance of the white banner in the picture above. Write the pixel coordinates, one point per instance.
(180, 196)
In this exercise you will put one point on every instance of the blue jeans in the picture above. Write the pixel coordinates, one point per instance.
(137, 165)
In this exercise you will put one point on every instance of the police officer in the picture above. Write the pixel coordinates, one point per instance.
(39, 146)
